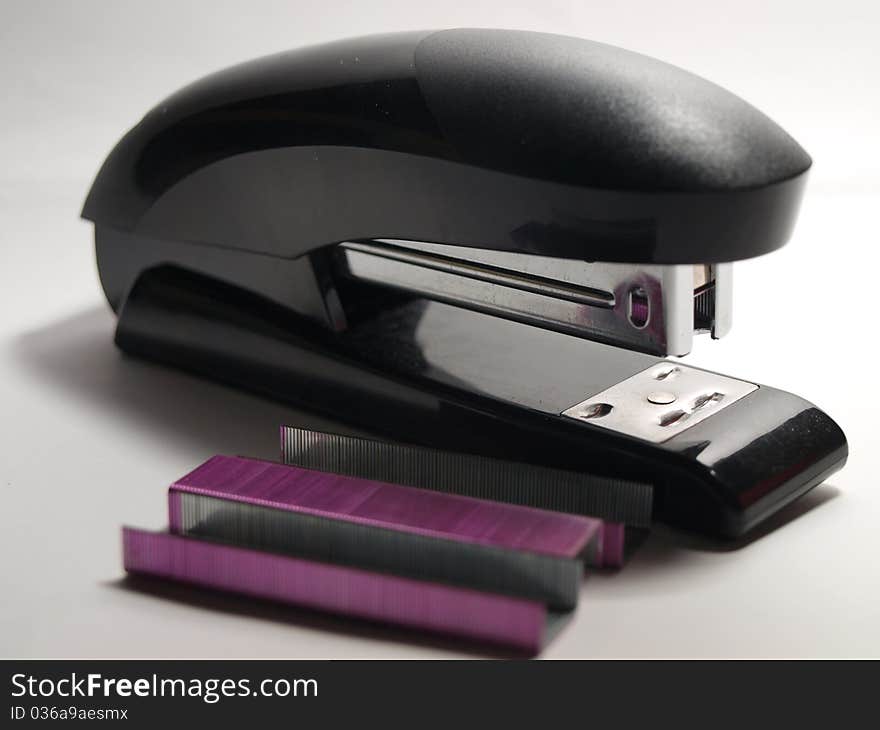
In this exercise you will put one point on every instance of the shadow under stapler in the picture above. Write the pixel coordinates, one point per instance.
(665, 548)
(77, 355)
(813, 499)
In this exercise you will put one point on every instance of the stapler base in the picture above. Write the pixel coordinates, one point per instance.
(434, 374)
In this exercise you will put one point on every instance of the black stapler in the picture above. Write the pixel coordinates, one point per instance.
(479, 240)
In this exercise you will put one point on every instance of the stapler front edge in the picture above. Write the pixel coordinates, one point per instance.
(478, 240)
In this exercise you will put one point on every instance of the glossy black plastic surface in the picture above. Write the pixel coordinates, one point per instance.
(504, 140)
(215, 217)
(430, 373)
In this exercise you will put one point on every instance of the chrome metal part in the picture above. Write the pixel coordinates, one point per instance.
(652, 308)
(661, 402)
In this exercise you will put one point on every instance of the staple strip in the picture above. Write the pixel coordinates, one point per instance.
(614, 500)
(549, 579)
(339, 589)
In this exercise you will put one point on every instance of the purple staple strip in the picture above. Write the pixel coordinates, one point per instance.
(337, 589)
(367, 502)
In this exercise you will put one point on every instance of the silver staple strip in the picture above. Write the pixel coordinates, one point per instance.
(608, 498)
(550, 579)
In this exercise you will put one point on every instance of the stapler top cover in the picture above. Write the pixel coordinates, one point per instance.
(504, 140)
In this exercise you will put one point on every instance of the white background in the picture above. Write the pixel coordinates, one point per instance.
(89, 439)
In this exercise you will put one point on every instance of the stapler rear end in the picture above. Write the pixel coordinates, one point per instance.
(481, 240)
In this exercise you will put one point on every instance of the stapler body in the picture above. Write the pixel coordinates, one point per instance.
(487, 241)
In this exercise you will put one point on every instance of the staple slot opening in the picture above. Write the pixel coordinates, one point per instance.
(704, 308)
(597, 410)
(668, 373)
(673, 417)
(707, 399)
